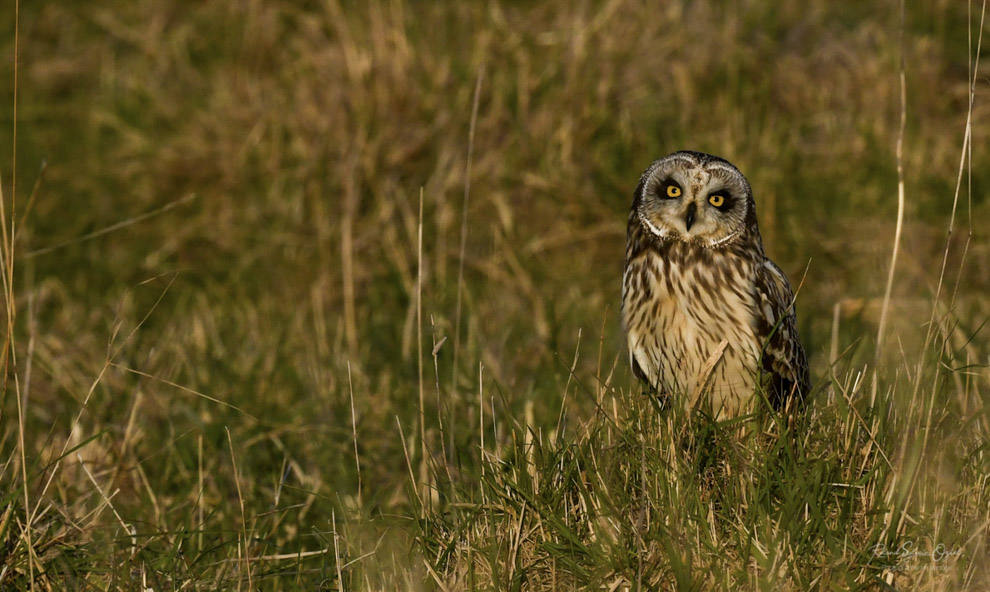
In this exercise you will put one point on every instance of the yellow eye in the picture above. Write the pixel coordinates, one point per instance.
(716, 200)
(673, 191)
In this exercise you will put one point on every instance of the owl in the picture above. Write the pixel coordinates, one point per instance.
(708, 317)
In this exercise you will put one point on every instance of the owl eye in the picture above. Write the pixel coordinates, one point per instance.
(671, 190)
(717, 200)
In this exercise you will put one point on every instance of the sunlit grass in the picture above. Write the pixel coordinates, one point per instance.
(214, 297)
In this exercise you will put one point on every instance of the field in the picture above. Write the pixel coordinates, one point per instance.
(324, 295)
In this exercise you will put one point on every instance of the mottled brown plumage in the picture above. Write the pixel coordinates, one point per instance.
(696, 280)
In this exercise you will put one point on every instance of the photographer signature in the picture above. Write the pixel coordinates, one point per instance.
(910, 549)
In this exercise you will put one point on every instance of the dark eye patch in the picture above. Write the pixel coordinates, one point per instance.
(721, 199)
(670, 190)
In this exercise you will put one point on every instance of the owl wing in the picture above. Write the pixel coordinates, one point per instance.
(776, 326)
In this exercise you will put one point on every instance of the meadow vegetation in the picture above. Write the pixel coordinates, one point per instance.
(324, 295)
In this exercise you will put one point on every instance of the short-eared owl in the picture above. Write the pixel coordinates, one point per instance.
(695, 276)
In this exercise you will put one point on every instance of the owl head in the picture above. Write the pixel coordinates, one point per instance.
(695, 198)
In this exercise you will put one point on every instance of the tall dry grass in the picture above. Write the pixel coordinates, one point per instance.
(232, 331)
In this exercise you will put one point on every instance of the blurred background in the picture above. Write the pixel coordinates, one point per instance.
(224, 199)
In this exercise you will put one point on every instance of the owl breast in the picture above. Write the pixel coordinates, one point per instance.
(679, 303)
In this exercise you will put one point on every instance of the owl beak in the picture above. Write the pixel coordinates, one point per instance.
(692, 209)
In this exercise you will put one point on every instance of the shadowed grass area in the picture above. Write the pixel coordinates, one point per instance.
(246, 348)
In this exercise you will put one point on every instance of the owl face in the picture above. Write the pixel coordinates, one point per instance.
(695, 198)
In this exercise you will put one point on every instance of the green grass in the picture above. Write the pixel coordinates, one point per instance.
(224, 372)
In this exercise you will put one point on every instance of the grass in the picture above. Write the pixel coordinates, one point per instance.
(252, 343)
